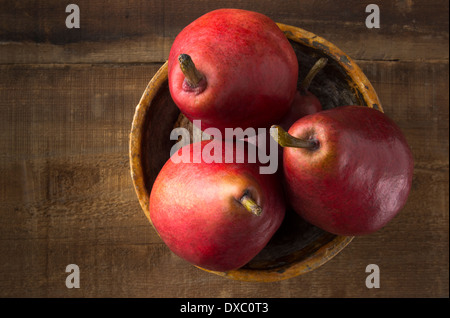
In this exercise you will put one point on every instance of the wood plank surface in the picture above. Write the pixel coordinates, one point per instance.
(142, 31)
(67, 99)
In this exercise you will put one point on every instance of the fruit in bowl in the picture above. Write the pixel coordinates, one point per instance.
(297, 247)
(214, 214)
(348, 170)
(232, 68)
(305, 102)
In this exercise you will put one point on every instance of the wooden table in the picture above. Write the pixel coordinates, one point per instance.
(67, 98)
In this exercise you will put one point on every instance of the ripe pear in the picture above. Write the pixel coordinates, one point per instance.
(347, 170)
(305, 102)
(232, 68)
(216, 215)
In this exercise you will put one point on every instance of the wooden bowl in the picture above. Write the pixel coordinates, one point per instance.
(298, 247)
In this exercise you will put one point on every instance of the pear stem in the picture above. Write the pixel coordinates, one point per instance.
(193, 76)
(284, 139)
(250, 205)
(320, 64)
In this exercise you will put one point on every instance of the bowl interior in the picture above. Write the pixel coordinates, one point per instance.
(296, 242)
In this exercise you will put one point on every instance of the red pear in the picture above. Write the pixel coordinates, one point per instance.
(305, 102)
(348, 170)
(216, 215)
(232, 68)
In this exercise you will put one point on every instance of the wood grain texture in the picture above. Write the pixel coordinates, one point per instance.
(138, 31)
(66, 104)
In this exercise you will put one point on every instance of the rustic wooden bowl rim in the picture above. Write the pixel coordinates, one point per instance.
(362, 86)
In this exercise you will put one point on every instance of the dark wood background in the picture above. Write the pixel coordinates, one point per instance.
(67, 98)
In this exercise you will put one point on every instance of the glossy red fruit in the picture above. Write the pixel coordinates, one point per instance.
(304, 103)
(232, 68)
(353, 171)
(217, 216)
